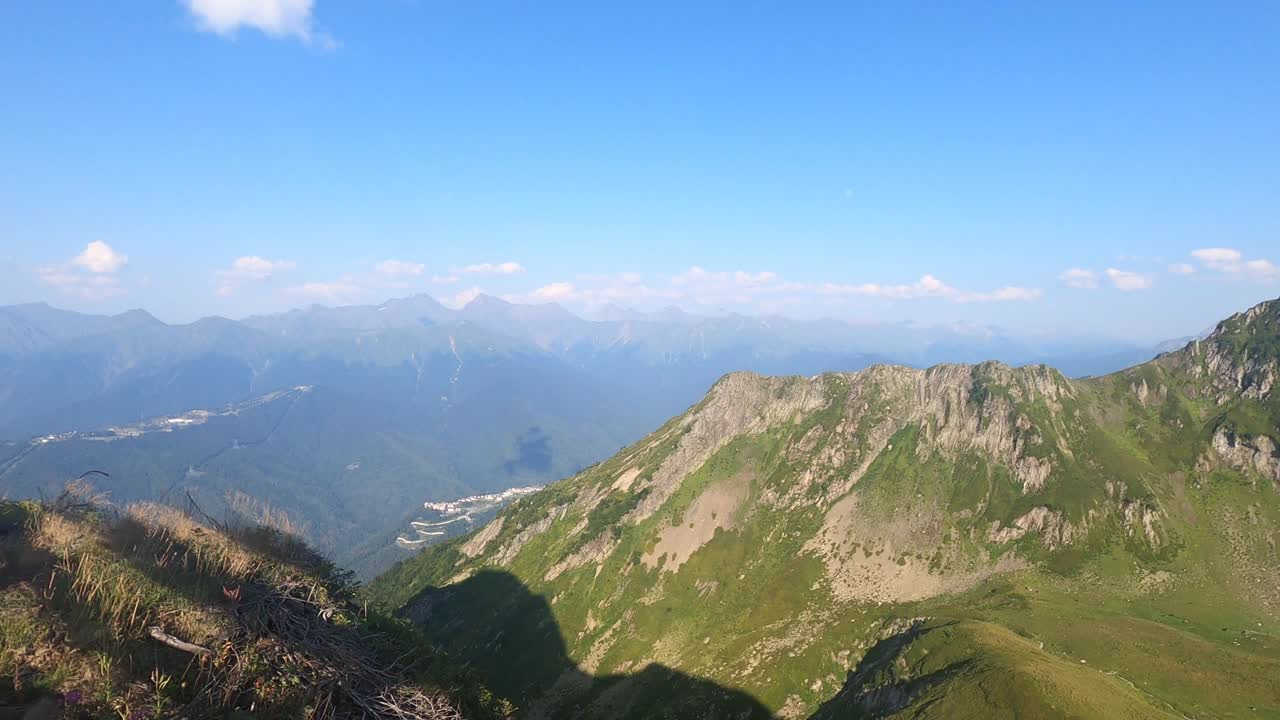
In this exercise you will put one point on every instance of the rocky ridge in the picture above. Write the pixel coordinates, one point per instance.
(733, 538)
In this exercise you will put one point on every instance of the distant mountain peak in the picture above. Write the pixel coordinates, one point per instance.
(415, 299)
(490, 306)
(137, 316)
(484, 300)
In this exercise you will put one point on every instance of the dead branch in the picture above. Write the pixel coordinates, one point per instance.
(177, 644)
(195, 507)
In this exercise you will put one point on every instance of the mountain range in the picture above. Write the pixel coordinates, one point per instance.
(346, 420)
(961, 541)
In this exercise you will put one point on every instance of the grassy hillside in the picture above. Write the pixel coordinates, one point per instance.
(145, 612)
(967, 541)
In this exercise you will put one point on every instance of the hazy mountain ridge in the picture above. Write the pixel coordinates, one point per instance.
(62, 371)
(915, 541)
(35, 327)
(429, 403)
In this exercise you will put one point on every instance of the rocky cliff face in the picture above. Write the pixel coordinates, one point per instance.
(1241, 358)
(1248, 453)
(825, 434)
(729, 541)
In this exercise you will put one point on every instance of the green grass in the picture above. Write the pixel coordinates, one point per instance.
(1113, 623)
(970, 669)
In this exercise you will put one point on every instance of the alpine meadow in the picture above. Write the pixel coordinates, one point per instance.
(961, 541)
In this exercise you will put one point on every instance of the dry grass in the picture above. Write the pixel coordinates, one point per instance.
(185, 543)
(260, 513)
(58, 533)
(81, 585)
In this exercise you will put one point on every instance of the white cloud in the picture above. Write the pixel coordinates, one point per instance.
(926, 286)
(554, 292)
(445, 279)
(720, 288)
(1218, 258)
(1008, 293)
(339, 290)
(99, 257)
(249, 269)
(252, 267)
(705, 287)
(87, 286)
(763, 290)
(400, 268)
(275, 18)
(386, 275)
(1128, 281)
(1230, 260)
(598, 289)
(1261, 268)
(740, 287)
(696, 275)
(1182, 268)
(506, 268)
(1079, 278)
(92, 274)
(930, 286)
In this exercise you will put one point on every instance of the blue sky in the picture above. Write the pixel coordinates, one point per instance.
(1059, 167)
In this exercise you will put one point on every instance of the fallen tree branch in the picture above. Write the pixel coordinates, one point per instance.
(177, 644)
(220, 527)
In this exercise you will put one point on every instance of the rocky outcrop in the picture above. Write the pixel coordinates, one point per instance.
(957, 408)
(1148, 395)
(739, 404)
(595, 550)
(1246, 377)
(478, 542)
(513, 546)
(1241, 358)
(871, 558)
(1052, 526)
(1256, 453)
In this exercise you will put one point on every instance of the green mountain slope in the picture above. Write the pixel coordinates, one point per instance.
(962, 541)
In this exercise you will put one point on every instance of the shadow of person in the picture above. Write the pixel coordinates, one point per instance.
(506, 633)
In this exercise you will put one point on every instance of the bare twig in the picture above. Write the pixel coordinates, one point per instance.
(196, 507)
(177, 644)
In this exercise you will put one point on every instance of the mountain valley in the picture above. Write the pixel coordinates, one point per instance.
(961, 541)
(346, 419)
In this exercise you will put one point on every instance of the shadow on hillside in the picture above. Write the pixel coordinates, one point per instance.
(18, 559)
(495, 624)
(873, 688)
(200, 574)
(45, 621)
(77, 620)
